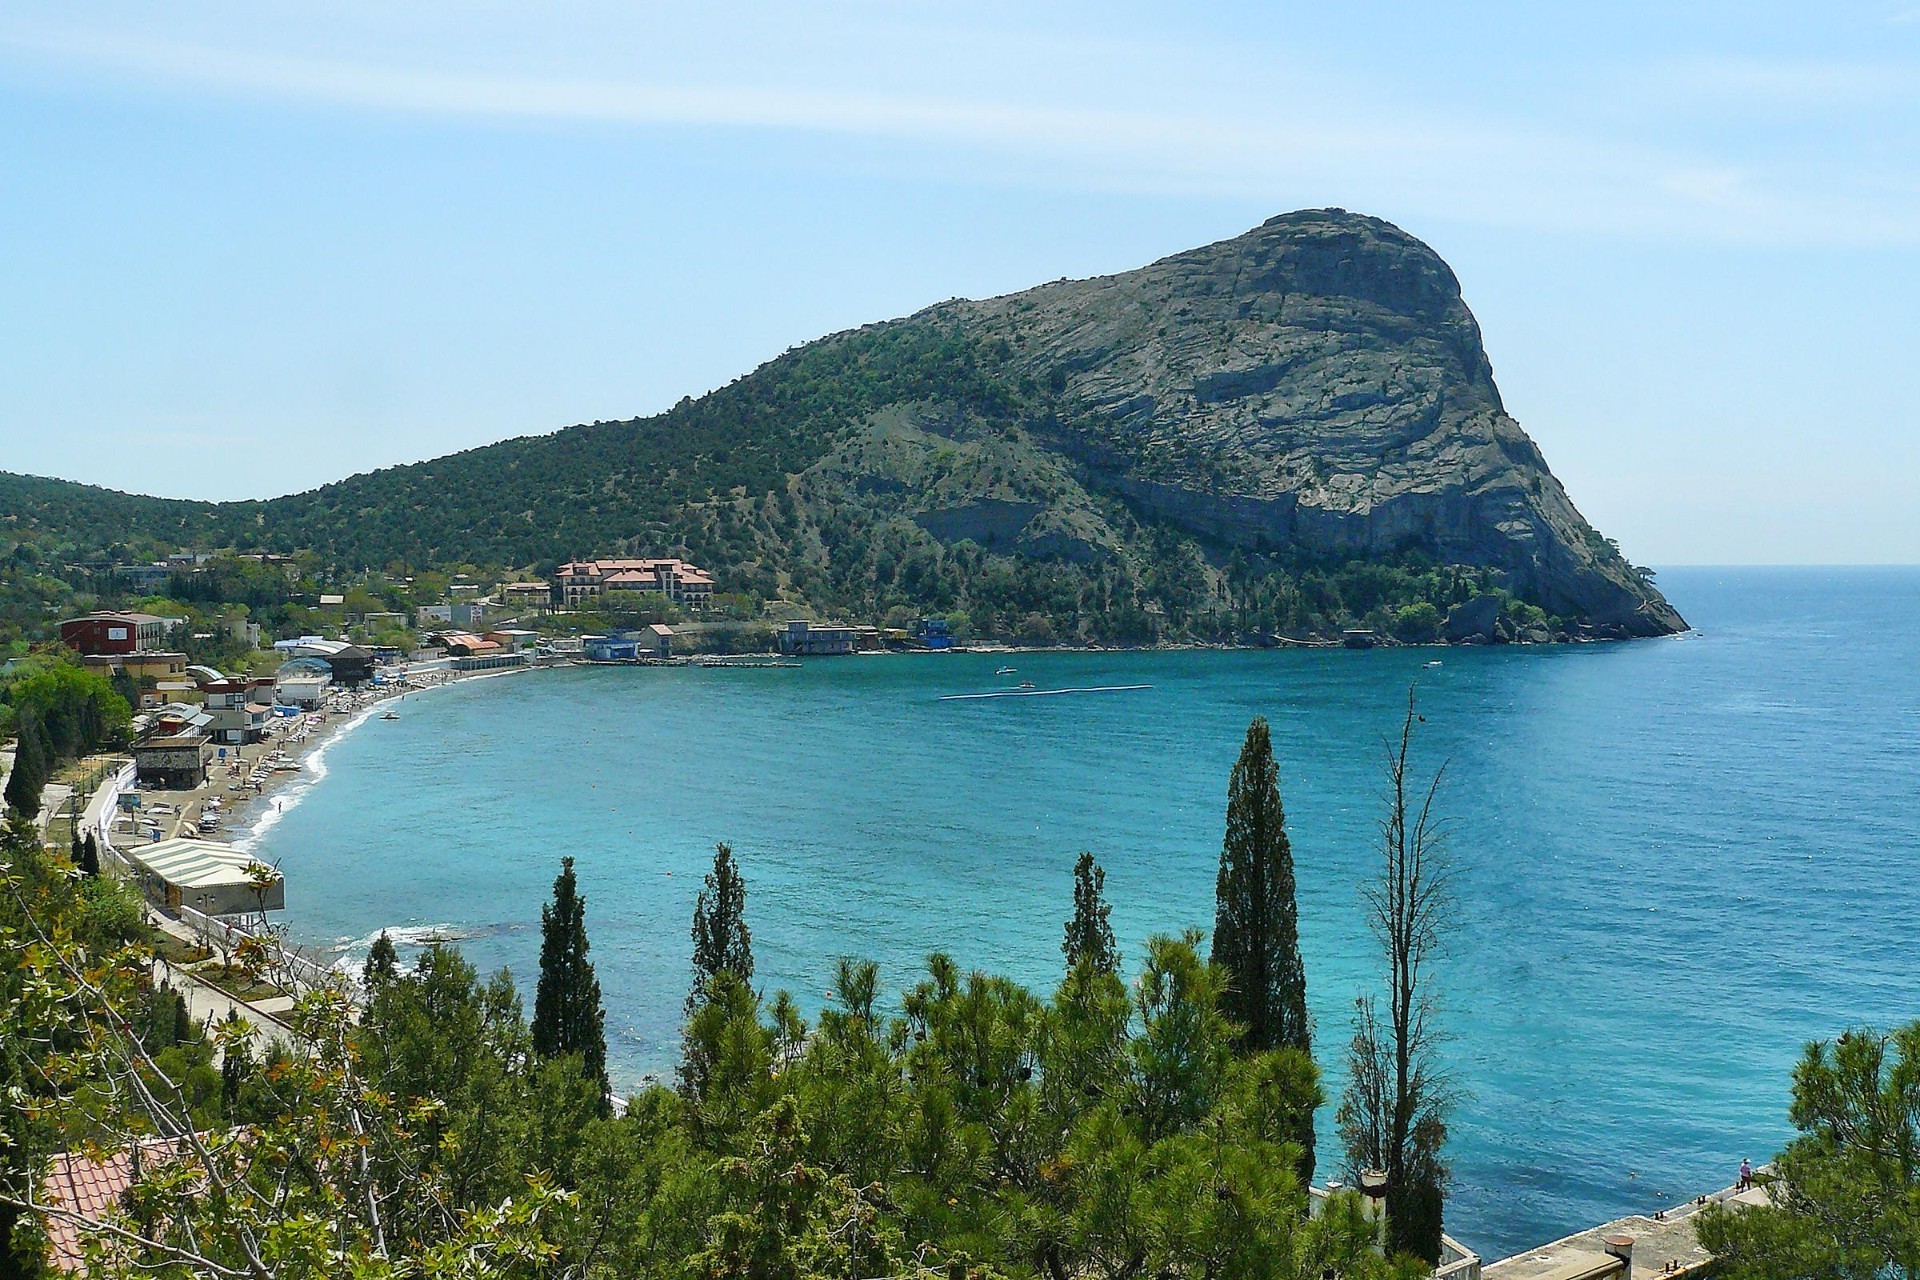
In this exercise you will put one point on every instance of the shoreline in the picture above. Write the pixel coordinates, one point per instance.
(258, 815)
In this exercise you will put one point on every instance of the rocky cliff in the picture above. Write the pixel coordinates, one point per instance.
(1319, 384)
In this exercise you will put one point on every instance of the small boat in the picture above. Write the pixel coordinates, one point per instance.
(390, 715)
(1004, 671)
(1026, 684)
(1434, 663)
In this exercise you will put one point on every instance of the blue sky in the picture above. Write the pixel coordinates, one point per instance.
(255, 247)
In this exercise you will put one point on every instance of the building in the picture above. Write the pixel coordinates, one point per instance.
(349, 664)
(660, 637)
(173, 758)
(525, 597)
(303, 682)
(933, 633)
(238, 715)
(818, 639)
(514, 639)
(144, 578)
(621, 646)
(214, 879)
(579, 581)
(426, 615)
(92, 1188)
(113, 633)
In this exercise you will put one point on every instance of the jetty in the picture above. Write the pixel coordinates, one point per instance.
(1663, 1243)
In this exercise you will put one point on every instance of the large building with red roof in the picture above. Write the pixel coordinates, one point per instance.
(583, 580)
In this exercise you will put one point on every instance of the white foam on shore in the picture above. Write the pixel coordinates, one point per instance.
(313, 765)
(313, 769)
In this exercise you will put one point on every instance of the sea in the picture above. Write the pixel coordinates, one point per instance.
(1676, 861)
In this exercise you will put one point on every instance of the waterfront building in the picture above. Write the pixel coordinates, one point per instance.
(822, 639)
(238, 717)
(212, 878)
(302, 682)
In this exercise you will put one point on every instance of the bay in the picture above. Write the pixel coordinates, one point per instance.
(1678, 860)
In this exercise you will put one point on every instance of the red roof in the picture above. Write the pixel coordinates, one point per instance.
(90, 1188)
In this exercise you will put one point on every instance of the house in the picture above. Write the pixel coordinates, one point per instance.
(933, 633)
(427, 614)
(213, 878)
(660, 637)
(238, 716)
(584, 580)
(523, 597)
(817, 639)
(113, 633)
(91, 1188)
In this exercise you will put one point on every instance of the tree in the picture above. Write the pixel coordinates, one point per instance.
(383, 962)
(567, 1017)
(721, 941)
(1845, 1198)
(30, 767)
(90, 855)
(1392, 1117)
(1256, 924)
(1089, 937)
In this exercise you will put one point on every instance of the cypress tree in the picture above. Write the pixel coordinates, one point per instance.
(29, 776)
(90, 856)
(383, 962)
(567, 1017)
(721, 941)
(1256, 924)
(1089, 937)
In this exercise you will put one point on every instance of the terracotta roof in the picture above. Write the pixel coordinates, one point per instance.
(90, 1188)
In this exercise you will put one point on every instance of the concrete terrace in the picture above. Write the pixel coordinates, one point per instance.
(1664, 1244)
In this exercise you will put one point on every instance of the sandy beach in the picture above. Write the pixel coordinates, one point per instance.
(251, 787)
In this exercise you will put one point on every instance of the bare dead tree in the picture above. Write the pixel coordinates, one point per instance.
(1392, 1117)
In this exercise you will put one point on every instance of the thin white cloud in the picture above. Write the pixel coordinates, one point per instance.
(1312, 144)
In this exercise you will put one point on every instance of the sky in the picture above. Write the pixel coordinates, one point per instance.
(251, 248)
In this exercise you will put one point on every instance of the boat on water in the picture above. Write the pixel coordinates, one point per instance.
(1434, 663)
(389, 715)
(1026, 684)
(1004, 671)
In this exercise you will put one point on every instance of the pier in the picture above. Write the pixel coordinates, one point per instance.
(1662, 1243)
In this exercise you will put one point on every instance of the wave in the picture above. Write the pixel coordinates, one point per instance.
(313, 771)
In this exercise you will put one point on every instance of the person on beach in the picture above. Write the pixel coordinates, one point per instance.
(1746, 1174)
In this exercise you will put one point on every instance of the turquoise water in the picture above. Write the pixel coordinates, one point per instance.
(1678, 859)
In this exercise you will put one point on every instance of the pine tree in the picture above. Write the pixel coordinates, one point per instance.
(1089, 937)
(567, 1017)
(721, 941)
(1256, 925)
(30, 766)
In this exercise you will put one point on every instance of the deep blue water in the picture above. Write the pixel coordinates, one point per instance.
(1678, 860)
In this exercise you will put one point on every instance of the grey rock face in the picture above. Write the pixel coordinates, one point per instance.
(1319, 384)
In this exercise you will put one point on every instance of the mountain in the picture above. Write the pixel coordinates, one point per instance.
(1296, 429)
